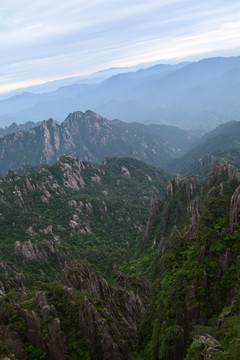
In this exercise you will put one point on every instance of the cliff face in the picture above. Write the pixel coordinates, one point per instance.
(195, 267)
(181, 205)
(74, 209)
(84, 317)
(185, 201)
(234, 208)
(89, 137)
(124, 306)
(10, 277)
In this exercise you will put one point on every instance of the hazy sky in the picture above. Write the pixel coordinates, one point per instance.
(42, 40)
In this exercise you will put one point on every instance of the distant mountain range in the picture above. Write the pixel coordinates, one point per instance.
(17, 127)
(132, 222)
(91, 137)
(220, 145)
(198, 95)
(92, 78)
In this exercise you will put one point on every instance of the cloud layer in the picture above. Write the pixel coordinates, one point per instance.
(44, 40)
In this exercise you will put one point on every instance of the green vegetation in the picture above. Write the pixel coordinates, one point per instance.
(100, 216)
(220, 145)
(196, 276)
(100, 213)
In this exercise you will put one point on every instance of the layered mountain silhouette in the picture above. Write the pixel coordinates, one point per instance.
(220, 145)
(198, 95)
(17, 127)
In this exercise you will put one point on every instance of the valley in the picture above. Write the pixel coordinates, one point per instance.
(61, 222)
(119, 239)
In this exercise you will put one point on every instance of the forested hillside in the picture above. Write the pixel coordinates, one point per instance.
(187, 253)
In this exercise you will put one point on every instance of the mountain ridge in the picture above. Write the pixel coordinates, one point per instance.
(91, 137)
(186, 94)
(224, 137)
(190, 251)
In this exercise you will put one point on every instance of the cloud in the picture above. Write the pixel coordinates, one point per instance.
(43, 40)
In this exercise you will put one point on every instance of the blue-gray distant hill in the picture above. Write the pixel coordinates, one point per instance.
(199, 95)
(17, 127)
(220, 145)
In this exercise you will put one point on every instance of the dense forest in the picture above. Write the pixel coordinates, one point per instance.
(97, 263)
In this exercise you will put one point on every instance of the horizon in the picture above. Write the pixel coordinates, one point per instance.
(118, 70)
(45, 42)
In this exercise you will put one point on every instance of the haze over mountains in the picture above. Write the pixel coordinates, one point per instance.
(92, 78)
(222, 144)
(77, 204)
(198, 95)
(57, 309)
(91, 137)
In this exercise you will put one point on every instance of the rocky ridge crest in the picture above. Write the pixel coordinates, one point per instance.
(88, 136)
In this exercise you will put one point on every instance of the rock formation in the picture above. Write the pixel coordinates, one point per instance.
(106, 316)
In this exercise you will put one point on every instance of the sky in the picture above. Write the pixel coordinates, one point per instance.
(42, 40)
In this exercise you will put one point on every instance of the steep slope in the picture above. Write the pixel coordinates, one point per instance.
(91, 137)
(83, 317)
(210, 146)
(190, 250)
(203, 166)
(192, 253)
(75, 209)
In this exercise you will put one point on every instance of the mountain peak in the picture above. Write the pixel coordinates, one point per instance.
(82, 117)
(91, 137)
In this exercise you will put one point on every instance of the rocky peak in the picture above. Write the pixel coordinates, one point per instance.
(82, 277)
(91, 114)
(187, 186)
(88, 136)
(73, 117)
(45, 124)
(79, 117)
(221, 171)
(204, 161)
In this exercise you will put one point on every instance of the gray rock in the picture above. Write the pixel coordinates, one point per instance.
(235, 201)
(210, 351)
(122, 306)
(225, 261)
